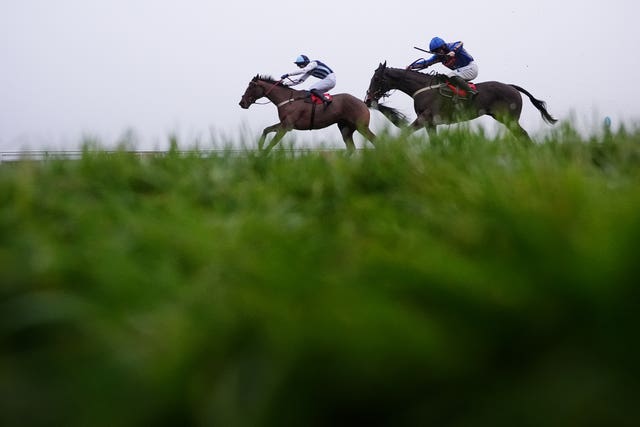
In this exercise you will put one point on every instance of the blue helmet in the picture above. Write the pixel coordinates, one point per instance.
(436, 43)
(302, 59)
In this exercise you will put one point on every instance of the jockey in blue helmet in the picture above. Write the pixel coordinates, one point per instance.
(453, 56)
(315, 68)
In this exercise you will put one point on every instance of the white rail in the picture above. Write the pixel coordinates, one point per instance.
(40, 155)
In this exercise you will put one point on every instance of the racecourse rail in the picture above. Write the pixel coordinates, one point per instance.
(40, 155)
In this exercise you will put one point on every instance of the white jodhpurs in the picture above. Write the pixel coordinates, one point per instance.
(325, 85)
(468, 73)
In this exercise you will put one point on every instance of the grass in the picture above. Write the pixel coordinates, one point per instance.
(467, 281)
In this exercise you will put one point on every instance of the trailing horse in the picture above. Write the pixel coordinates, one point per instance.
(297, 111)
(435, 103)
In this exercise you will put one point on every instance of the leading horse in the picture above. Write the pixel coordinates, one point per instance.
(296, 111)
(435, 103)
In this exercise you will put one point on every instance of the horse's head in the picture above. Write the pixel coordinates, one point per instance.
(379, 85)
(259, 87)
(254, 92)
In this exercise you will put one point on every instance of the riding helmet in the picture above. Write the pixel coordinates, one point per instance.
(302, 59)
(436, 43)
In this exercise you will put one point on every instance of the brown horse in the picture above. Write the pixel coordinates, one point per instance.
(435, 103)
(296, 111)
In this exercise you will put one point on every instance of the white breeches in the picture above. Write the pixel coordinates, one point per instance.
(468, 73)
(326, 84)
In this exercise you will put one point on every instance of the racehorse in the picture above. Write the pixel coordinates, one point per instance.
(297, 111)
(435, 103)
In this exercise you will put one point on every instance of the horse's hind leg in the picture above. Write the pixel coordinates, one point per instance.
(366, 132)
(512, 124)
(519, 131)
(347, 136)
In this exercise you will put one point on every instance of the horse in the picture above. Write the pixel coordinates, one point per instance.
(435, 102)
(296, 110)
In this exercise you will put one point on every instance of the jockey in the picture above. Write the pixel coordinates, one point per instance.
(453, 56)
(316, 69)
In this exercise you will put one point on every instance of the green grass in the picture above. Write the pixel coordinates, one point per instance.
(461, 282)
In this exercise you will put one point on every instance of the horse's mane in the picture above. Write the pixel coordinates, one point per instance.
(265, 78)
(417, 75)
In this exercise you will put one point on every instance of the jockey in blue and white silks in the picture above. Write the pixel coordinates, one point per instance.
(315, 68)
(453, 56)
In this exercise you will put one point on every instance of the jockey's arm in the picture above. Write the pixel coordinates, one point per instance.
(305, 70)
(455, 47)
(292, 82)
(418, 64)
(421, 63)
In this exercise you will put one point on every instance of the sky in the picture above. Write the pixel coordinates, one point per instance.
(148, 69)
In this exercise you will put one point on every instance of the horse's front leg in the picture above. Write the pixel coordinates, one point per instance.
(425, 121)
(417, 124)
(265, 132)
(280, 130)
(431, 131)
(420, 122)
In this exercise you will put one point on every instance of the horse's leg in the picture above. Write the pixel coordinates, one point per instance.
(361, 124)
(519, 131)
(347, 136)
(281, 131)
(426, 123)
(265, 132)
(366, 132)
(431, 131)
(511, 123)
(417, 124)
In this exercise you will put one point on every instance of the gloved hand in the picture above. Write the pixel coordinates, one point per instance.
(451, 54)
(284, 76)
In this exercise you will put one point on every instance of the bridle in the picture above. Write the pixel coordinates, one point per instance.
(380, 91)
(383, 91)
(266, 92)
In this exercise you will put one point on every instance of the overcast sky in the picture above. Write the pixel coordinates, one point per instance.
(70, 68)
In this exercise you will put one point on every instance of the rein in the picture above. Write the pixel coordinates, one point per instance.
(272, 86)
(423, 89)
(267, 92)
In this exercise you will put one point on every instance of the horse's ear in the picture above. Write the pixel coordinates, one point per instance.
(385, 64)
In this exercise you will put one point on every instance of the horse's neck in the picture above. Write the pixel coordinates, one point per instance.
(277, 94)
(409, 84)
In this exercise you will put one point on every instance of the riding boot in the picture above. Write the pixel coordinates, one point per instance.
(461, 83)
(320, 95)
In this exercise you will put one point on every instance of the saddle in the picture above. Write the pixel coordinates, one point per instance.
(452, 91)
(316, 100)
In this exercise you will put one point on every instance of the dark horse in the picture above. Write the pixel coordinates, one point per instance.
(435, 104)
(296, 111)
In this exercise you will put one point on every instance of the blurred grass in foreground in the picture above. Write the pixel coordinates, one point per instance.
(461, 282)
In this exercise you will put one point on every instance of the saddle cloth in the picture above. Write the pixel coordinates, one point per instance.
(318, 101)
(459, 92)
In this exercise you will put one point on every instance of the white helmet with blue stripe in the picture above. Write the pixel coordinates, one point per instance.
(302, 60)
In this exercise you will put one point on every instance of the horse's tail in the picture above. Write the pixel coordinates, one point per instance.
(394, 116)
(540, 105)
